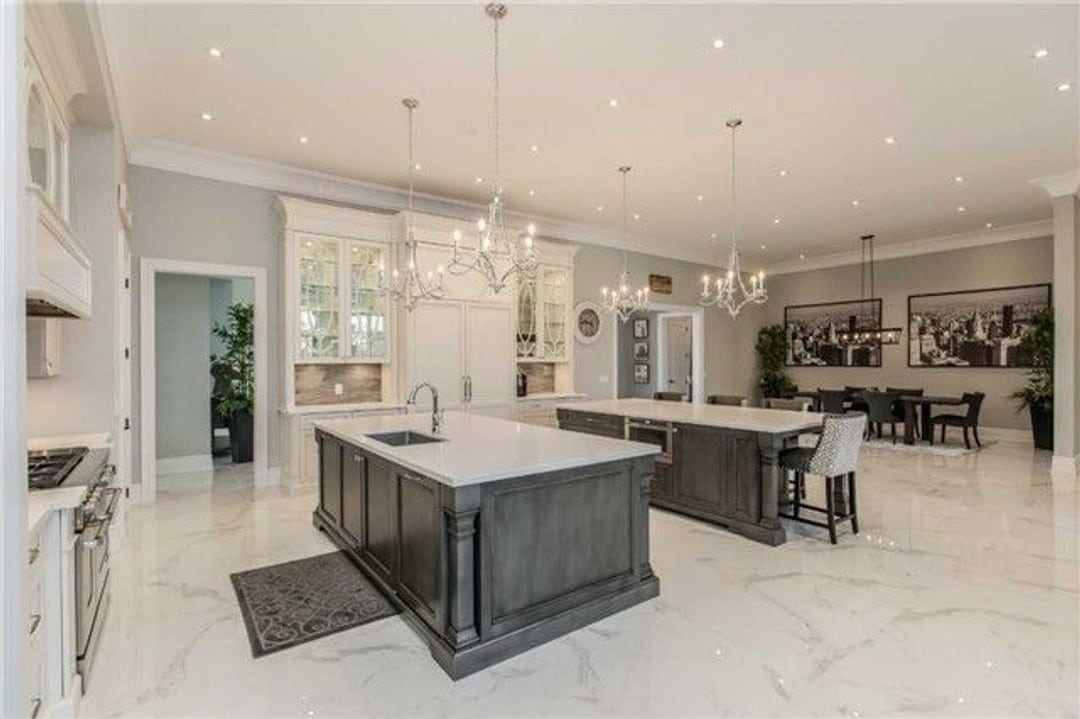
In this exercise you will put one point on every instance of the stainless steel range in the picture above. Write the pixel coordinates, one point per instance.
(89, 468)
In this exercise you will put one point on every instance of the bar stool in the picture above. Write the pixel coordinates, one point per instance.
(835, 457)
(729, 400)
(668, 396)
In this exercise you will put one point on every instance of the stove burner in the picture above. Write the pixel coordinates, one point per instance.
(49, 468)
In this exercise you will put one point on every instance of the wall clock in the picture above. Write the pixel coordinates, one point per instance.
(587, 322)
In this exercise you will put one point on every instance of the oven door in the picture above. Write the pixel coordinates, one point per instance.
(651, 432)
(91, 575)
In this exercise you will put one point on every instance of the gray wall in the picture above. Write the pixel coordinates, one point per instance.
(224, 294)
(183, 217)
(182, 350)
(729, 344)
(1011, 263)
(83, 397)
(627, 386)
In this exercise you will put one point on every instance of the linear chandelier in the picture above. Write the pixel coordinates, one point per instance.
(409, 285)
(867, 329)
(731, 291)
(500, 254)
(621, 301)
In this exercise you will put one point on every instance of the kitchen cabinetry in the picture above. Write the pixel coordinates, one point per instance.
(541, 410)
(300, 448)
(543, 315)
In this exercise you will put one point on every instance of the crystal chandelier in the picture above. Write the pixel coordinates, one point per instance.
(621, 301)
(730, 290)
(500, 254)
(409, 285)
(867, 329)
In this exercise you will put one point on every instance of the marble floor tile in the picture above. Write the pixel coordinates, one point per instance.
(958, 598)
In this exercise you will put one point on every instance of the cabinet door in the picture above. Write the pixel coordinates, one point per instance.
(526, 333)
(741, 476)
(436, 350)
(330, 476)
(555, 311)
(698, 456)
(367, 317)
(490, 358)
(381, 545)
(319, 302)
(353, 492)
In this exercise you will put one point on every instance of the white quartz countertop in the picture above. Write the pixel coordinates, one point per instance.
(100, 440)
(483, 449)
(43, 502)
(550, 396)
(752, 419)
(354, 407)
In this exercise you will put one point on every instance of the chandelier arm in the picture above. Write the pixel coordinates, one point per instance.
(495, 108)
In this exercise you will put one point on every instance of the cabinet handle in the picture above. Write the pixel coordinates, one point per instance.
(36, 704)
(35, 621)
(34, 553)
(468, 383)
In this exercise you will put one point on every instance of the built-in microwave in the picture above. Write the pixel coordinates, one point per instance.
(651, 431)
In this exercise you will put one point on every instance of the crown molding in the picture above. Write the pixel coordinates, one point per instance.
(188, 160)
(49, 40)
(926, 246)
(1060, 185)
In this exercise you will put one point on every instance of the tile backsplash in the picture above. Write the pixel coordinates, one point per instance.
(315, 383)
(540, 376)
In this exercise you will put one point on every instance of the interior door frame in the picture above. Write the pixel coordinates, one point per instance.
(662, 320)
(149, 269)
(697, 329)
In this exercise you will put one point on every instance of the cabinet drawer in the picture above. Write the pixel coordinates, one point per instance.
(607, 425)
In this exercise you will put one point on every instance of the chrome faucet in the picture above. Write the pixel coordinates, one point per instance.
(436, 413)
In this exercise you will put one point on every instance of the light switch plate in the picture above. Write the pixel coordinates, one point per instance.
(339, 389)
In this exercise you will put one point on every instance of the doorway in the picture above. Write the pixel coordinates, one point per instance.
(662, 350)
(197, 383)
(675, 354)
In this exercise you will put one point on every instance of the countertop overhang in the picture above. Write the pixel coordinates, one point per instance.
(751, 419)
(481, 449)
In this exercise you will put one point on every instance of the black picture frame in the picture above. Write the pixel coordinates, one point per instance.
(824, 353)
(641, 373)
(641, 350)
(641, 328)
(988, 347)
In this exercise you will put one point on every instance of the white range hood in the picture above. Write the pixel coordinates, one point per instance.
(57, 267)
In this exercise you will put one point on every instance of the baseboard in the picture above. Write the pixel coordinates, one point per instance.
(272, 477)
(1065, 466)
(1007, 434)
(191, 463)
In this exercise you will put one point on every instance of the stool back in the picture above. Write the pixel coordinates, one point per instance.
(668, 396)
(730, 400)
(837, 451)
(879, 405)
(797, 404)
(832, 400)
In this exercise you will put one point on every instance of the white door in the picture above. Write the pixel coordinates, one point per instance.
(489, 359)
(436, 350)
(679, 353)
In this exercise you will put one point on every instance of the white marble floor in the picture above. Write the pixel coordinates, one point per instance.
(960, 597)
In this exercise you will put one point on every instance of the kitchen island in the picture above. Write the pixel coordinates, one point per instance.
(718, 463)
(496, 538)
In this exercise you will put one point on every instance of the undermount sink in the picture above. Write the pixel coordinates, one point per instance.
(404, 438)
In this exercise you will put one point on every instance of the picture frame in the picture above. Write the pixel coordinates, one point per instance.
(641, 350)
(978, 328)
(641, 328)
(660, 284)
(641, 373)
(811, 333)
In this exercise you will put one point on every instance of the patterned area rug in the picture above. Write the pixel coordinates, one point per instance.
(292, 603)
(939, 450)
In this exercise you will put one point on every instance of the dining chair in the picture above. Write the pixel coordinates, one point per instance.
(798, 404)
(854, 396)
(879, 411)
(969, 420)
(831, 401)
(898, 406)
(728, 400)
(668, 396)
(835, 458)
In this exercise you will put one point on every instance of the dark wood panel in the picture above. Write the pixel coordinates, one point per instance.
(330, 471)
(663, 482)
(421, 546)
(699, 455)
(380, 518)
(605, 425)
(353, 490)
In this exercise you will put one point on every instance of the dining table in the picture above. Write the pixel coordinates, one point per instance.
(920, 406)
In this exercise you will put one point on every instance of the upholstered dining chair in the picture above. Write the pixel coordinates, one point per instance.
(969, 420)
(798, 404)
(879, 412)
(831, 401)
(855, 397)
(668, 396)
(898, 406)
(729, 400)
(835, 457)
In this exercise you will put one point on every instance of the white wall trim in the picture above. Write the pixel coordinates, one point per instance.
(926, 246)
(1060, 185)
(149, 268)
(1065, 466)
(190, 463)
(175, 157)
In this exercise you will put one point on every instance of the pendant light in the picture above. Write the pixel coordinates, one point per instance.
(868, 329)
(409, 285)
(621, 301)
(731, 291)
(500, 254)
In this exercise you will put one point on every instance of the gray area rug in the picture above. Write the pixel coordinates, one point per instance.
(292, 603)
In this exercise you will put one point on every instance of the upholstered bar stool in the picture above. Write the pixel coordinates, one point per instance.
(835, 458)
(729, 400)
(668, 396)
(798, 404)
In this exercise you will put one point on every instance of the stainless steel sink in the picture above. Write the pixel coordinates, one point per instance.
(404, 438)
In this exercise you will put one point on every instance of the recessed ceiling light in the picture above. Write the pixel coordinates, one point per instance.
(532, 193)
(613, 102)
(637, 216)
(854, 203)
(718, 43)
(890, 140)
(534, 149)
(763, 248)
(207, 116)
(1064, 87)
(783, 173)
(303, 139)
(959, 178)
(989, 225)
(700, 198)
(479, 180)
(776, 220)
(215, 52)
(961, 208)
(802, 255)
(417, 167)
(1040, 53)
(599, 208)
(712, 235)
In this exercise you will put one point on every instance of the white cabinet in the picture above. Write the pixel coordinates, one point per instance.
(301, 459)
(541, 411)
(57, 266)
(543, 315)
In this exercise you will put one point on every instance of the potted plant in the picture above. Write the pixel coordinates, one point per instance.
(234, 375)
(772, 351)
(1038, 396)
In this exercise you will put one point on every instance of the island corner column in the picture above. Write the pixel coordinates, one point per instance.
(772, 484)
(461, 509)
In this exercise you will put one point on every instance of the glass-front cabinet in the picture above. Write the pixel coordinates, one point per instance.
(47, 148)
(341, 313)
(543, 311)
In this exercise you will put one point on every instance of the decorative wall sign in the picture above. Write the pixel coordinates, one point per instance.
(660, 284)
(641, 373)
(587, 322)
(641, 328)
(641, 351)
(812, 334)
(973, 328)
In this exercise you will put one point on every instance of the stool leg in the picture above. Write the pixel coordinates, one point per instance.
(796, 496)
(853, 507)
(830, 507)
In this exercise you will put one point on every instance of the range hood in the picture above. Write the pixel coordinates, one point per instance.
(57, 267)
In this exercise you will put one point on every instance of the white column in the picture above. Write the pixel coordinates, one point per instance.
(1063, 190)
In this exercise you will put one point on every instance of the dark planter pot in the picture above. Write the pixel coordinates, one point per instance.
(1042, 424)
(242, 436)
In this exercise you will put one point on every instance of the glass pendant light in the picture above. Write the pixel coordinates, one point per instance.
(622, 301)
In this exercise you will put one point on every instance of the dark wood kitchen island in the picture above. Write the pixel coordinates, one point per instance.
(499, 537)
(718, 464)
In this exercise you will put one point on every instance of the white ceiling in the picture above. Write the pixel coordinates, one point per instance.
(819, 88)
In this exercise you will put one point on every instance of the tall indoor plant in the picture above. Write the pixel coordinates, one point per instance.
(1038, 395)
(772, 352)
(234, 374)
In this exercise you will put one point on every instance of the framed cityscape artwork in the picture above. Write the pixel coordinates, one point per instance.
(973, 328)
(812, 334)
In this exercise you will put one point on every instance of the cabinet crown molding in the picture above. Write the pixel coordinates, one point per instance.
(52, 50)
(334, 220)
